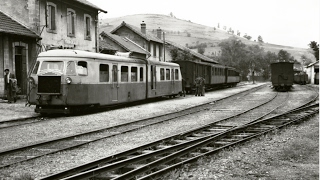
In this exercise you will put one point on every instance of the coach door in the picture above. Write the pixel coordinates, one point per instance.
(115, 82)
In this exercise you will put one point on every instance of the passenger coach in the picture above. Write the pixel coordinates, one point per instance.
(215, 75)
(64, 80)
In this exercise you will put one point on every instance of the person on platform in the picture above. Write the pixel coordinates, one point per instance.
(10, 83)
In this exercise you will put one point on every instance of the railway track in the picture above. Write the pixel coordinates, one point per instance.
(39, 118)
(33, 151)
(153, 160)
(212, 129)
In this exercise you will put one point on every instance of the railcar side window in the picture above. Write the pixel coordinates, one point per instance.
(71, 68)
(104, 73)
(141, 74)
(82, 68)
(167, 74)
(124, 73)
(176, 74)
(161, 73)
(51, 68)
(134, 74)
(36, 67)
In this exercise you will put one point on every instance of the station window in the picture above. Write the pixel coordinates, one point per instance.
(176, 74)
(104, 73)
(82, 68)
(141, 74)
(161, 73)
(87, 28)
(51, 17)
(167, 74)
(124, 73)
(71, 22)
(134, 74)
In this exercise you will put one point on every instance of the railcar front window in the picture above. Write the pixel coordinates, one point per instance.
(51, 68)
(71, 68)
(36, 67)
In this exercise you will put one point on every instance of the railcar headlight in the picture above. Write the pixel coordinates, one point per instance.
(68, 80)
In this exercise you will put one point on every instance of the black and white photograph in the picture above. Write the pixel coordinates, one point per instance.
(168, 90)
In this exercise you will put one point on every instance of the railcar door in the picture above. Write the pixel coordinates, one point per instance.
(115, 82)
(172, 80)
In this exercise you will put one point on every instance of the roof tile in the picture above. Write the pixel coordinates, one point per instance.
(10, 26)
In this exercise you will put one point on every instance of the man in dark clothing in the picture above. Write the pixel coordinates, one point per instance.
(9, 82)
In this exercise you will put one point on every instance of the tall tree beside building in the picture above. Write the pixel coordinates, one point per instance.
(315, 47)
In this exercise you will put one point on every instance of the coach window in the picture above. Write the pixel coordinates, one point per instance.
(161, 73)
(71, 68)
(82, 68)
(104, 73)
(134, 74)
(176, 74)
(141, 74)
(167, 74)
(124, 73)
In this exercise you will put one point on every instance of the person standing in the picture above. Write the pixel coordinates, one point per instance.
(9, 85)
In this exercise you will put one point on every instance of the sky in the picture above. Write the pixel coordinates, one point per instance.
(284, 22)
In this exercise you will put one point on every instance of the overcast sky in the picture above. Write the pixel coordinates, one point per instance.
(284, 22)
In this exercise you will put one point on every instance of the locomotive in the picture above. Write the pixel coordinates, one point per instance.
(64, 80)
(215, 75)
(282, 75)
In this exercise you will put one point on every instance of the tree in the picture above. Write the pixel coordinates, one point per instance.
(180, 55)
(233, 54)
(260, 39)
(247, 36)
(201, 50)
(305, 60)
(315, 46)
(283, 56)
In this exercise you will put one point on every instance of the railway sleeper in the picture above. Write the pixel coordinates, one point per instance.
(161, 146)
(179, 141)
(221, 143)
(206, 149)
(106, 176)
(191, 138)
(130, 167)
(194, 154)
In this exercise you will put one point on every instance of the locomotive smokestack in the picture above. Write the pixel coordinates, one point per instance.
(143, 27)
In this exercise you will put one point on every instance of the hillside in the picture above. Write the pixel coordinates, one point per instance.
(177, 30)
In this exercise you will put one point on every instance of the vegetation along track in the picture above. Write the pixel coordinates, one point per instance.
(212, 129)
(153, 160)
(33, 151)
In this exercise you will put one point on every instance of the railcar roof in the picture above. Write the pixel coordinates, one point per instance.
(92, 55)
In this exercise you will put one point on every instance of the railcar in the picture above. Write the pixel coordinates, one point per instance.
(301, 78)
(282, 75)
(64, 80)
(215, 75)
